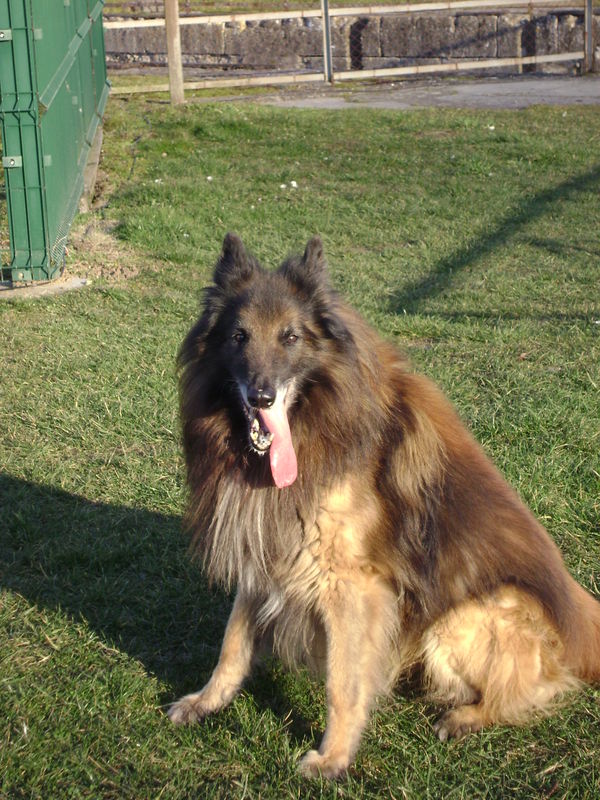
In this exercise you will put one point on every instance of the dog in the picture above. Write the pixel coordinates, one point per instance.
(366, 531)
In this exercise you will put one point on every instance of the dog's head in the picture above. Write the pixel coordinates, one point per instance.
(270, 333)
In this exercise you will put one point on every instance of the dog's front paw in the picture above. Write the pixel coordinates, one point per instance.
(314, 765)
(188, 710)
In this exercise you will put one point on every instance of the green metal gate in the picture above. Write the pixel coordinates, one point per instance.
(53, 91)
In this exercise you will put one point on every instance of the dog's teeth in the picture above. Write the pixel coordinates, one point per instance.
(259, 438)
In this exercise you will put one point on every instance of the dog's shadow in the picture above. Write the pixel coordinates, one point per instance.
(126, 574)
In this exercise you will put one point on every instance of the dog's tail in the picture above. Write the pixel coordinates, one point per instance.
(584, 654)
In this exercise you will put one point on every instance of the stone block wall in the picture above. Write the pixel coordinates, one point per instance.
(294, 45)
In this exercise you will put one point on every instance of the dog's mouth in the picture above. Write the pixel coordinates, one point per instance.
(269, 432)
(260, 438)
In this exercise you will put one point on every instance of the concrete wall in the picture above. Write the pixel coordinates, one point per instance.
(358, 42)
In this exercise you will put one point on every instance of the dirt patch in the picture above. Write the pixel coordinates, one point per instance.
(95, 250)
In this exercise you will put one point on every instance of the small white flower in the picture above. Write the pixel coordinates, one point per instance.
(283, 186)
(491, 127)
(186, 236)
(209, 178)
(293, 184)
(158, 180)
(164, 155)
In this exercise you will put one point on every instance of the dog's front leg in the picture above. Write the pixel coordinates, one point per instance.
(233, 666)
(356, 672)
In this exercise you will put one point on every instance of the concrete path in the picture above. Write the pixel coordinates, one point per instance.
(491, 93)
(41, 289)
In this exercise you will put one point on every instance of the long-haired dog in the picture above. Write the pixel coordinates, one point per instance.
(364, 528)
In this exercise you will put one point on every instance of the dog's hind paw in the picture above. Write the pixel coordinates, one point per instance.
(188, 710)
(459, 722)
(315, 765)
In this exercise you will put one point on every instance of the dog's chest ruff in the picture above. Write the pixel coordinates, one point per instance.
(334, 549)
(293, 557)
(330, 577)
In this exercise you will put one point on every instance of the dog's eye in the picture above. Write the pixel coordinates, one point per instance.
(240, 337)
(289, 338)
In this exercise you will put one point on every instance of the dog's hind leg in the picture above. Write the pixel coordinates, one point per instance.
(497, 660)
(358, 626)
(233, 667)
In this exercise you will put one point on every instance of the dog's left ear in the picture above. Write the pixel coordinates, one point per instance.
(310, 276)
(309, 272)
(313, 260)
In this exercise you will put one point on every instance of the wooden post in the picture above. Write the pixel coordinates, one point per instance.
(174, 51)
(327, 60)
(588, 46)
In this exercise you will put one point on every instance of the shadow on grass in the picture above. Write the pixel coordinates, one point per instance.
(124, 573)
(528, 210)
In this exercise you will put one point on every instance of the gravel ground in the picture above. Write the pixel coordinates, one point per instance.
(507, 92)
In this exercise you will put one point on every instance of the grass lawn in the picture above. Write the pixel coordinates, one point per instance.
(469, 238)
(199, 7)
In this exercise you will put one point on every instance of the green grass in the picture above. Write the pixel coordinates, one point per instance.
(199, 7)
(469, 238)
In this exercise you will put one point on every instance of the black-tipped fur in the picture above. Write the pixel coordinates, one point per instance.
(398, 543)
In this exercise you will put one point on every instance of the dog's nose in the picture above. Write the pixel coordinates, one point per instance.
(261, 396)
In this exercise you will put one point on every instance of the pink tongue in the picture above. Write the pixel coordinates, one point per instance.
(284, 466)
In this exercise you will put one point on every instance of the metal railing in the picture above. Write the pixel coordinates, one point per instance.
(332, 67)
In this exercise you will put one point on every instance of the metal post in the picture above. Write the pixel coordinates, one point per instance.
(327, 60)
(174, 51)
(588, 46)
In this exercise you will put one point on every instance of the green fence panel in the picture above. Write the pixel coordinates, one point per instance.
(53, 91)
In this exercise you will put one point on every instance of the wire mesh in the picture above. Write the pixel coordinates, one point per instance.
(5, 256)
(52, 93)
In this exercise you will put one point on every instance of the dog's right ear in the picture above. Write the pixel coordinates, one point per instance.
(235, 267)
